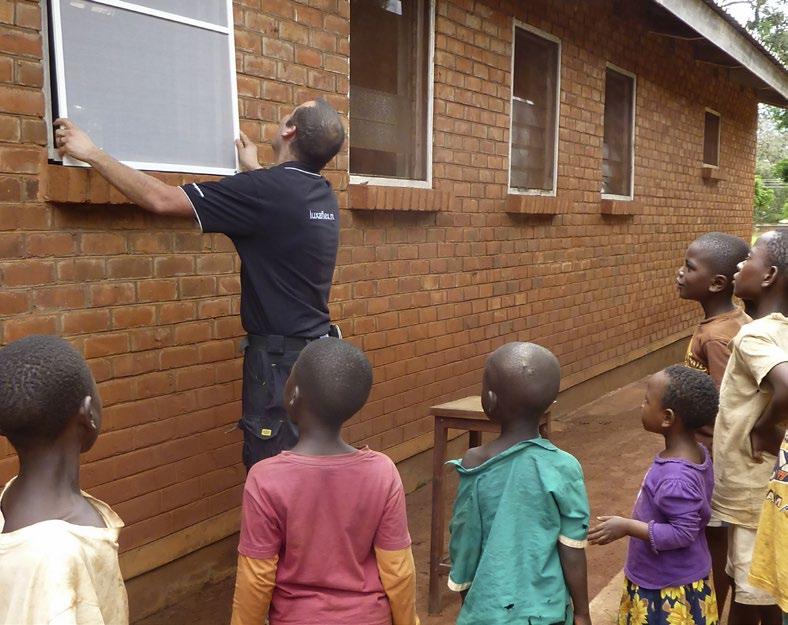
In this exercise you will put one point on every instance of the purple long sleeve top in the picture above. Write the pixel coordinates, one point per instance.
(675, 501)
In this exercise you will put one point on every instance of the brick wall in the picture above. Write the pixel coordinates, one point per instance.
(153, 304)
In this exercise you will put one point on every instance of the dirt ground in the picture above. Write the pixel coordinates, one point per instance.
(607, 439)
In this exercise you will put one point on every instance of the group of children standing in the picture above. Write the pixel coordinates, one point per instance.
(324, 534)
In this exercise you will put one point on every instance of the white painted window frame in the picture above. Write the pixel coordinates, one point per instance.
(60, 79)
(549, 37)
(719, 135)
(409, 182)
(633, 76)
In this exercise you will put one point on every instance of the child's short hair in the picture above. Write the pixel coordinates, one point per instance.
(335, 377)
(725, 251)
(43, 381)
(777, 249)
(691, 395)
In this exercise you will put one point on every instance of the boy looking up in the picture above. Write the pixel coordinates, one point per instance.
(753, 401)
(520, 521)
(324, 534)
(706, 277)
(58, 545)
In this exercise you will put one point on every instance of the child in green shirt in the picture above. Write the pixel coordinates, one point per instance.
(520, 521)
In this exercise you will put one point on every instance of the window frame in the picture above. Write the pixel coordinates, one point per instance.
(633, 76)
(54, 71)
(406, 182)
(549, 37)
(719, 137)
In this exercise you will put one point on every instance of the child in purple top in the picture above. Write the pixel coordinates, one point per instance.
(668, 562)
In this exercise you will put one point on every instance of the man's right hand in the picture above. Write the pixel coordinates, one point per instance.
(247, 153)
(71, 140)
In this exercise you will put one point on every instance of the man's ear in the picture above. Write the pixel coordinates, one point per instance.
(288, 132)
(718, 283)
(668, 418)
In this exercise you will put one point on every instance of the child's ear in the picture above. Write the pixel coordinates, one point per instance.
(490, 403)
(87, 414)
(771, 277)
(718, 283)
(295, 396)
(668, 418)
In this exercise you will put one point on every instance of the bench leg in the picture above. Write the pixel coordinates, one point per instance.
(438, 516)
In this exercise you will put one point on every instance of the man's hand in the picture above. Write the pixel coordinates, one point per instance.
(247, 153)
(765, 438)
(71, 140)
(611, 528)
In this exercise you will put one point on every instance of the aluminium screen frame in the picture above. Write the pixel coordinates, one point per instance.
(56, 72)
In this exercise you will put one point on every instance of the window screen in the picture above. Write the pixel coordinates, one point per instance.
(389, 88)
(155, 92)
(534, 112)
(711, 139)
(618, 148)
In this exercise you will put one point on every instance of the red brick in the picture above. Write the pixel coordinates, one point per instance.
(28, 272)
(85, 321)
(81, 269)
(157, 290)
(69, 296)
(112, 294)
(19, 42)
(14, 302)
(51, 244)
(105, 344)
(22, 101)
(24, 326)
(21, 160)
(28, 15)
(102, 243)
(133, 317)
(129, 267)
(168, 266)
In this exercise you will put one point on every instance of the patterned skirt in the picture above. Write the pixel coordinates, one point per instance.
(692, 604)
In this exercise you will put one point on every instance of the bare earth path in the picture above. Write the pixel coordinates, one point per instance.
(607, 439)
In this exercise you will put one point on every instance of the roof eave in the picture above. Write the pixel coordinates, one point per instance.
(708, 22)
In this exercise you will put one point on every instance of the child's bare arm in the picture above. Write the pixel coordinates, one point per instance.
(254, 586)
(767, 433)
(573, 564)
(614, 527)
(398, 575)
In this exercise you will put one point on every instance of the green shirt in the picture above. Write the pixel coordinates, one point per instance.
(509, 516)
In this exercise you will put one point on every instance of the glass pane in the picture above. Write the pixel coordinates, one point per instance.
(212, 11)
(533, 112)
(711, 139)
(388, 88)
(617, 147)
(135, 105)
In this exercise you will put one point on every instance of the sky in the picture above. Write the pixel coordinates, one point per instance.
(741, 12)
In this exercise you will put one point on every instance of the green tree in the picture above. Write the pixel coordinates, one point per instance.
(764, 212)
(781, 170)
(769, 25)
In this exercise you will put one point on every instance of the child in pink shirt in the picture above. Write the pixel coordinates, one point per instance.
(324, 534)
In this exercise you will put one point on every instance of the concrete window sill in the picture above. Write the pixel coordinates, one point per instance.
(380, 198)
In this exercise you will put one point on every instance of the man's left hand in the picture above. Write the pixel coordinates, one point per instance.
(71, 140)
(247, 153)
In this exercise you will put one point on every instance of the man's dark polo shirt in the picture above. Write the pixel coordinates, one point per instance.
(284, 222)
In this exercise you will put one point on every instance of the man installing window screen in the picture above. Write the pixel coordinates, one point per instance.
(284, 222)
